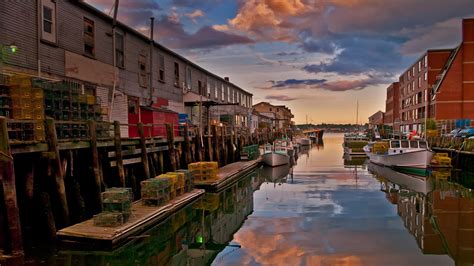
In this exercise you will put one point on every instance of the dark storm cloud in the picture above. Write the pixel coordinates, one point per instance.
(362, 55)
(296, 83)
(194, 3)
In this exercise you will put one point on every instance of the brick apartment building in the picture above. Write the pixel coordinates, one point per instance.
(73, 41)
(280, 114)
(376, 119)
(392, 104)
(440, 85)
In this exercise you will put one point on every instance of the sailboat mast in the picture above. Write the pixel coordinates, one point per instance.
(357, 113)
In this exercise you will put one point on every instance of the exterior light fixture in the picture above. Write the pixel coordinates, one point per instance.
(13, 48)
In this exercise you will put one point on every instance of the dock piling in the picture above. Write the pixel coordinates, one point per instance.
(118, 153)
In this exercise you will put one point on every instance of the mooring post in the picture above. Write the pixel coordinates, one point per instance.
(170, 139)
(118, 153)
(7, 177)
(223, 145)
(232, 152)
(144, 153)
(95, 162)
(198, 146)
(59, 171)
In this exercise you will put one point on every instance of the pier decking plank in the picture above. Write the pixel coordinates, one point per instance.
(142, 217)
(228, 174)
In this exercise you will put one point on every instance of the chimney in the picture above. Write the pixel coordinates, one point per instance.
(468, 29)
(226, 79)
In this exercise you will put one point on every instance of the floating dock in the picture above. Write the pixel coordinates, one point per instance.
(228, 174)
(143, 217)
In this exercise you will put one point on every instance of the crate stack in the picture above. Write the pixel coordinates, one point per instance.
(24, 102)
(203, 171)
(116, 206)
(155, 191)
(5, 97)
(69, 103)
(188, 180)
(174, 184)
(251, 152)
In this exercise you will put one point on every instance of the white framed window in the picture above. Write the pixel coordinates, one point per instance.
(419, 81)
(426, 60)
(413, 71)
(426, 76)
(222, 92)
(188, 78)
(48, 24)
(214, 87)
(419, 66)
(228, 94)
(413, 85)
(208, 86)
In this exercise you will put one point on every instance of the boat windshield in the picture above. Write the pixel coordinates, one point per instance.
(395, 144)
(423, 145)
(404, 143)
(414, 144)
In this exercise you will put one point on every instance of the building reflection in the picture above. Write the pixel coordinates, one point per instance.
(193, 236)
(437, 212)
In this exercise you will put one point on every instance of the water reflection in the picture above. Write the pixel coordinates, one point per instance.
(438, 213)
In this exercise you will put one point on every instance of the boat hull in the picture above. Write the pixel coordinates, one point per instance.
(305, 142)
(275, 159)
(414, 159)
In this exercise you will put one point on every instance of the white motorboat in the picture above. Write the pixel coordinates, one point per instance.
(275, 155)
(400, 153)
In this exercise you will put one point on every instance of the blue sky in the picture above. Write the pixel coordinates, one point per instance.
(318, 57)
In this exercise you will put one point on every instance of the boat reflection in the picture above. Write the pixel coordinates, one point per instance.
(193, 236)
(437, 212)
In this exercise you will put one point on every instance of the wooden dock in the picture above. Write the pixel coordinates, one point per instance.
(227, 175)
(143, 217)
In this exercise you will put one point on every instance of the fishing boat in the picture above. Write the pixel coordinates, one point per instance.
(276, 154)
(354, 144)
(400, 153)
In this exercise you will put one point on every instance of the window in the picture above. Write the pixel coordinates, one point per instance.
(208, 85)
(419, 82)
(419, 66)
(48, 16)
(214, 86)
(188, 78)
(270, 109)
(176, 74)
(161, 64)
(142, 79)
(426, 60)
(200, 88)
(89, 42)
(132, 105)
(119, 48)
(228, 94)
(413, 85)
(404, 143)
(395, 144)
(413, 71)
(426, 76)
(222, 92)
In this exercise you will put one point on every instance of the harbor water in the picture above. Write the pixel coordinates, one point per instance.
(326, 209)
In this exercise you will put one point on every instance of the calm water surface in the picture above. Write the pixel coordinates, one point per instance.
(326, 210)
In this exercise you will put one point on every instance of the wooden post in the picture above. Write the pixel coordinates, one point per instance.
(161, 162)
(210, 152)
(197, 145)
(224, 146)
(118, 153)
(186, 146)
(7, 178)
(216, 144)
(95, 162)
(170, 138)
(144, 153)
(231, 150)
(59, 171)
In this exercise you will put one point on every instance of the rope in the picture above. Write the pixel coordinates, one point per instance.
(6, 155)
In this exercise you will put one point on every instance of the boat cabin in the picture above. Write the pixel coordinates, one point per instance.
(400, 146)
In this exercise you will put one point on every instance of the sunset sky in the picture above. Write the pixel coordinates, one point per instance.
(318, 57)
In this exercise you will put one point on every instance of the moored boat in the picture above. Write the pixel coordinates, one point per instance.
(354, 144)
(275, 155)
(305, 141)
(400, 153)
